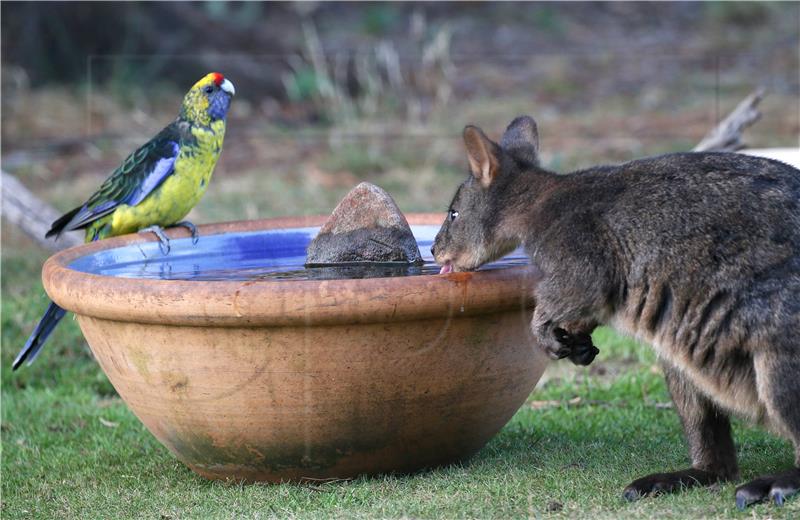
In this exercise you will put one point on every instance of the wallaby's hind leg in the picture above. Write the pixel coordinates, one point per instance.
(708, 433)
(779, 389)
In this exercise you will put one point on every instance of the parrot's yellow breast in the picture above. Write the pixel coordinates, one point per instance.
(181, 191)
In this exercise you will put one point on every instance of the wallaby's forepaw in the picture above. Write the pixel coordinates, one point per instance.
(577, 347)
(773, 487)
(659, 483)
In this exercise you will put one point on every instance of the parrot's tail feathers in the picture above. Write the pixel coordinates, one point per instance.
(40, 334)
(59, 225)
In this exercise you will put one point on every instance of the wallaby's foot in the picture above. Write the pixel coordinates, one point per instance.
(577, 347)
(660, 483)
(777, 488)
(163, 241)
(192, 229)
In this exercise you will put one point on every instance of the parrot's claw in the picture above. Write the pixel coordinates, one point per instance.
(163, 241)
(192, 229)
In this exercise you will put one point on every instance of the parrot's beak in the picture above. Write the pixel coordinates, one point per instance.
(227, 86)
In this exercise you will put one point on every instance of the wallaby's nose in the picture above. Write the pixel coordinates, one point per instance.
(433, 250)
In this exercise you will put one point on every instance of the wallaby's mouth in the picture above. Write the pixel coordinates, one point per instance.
(446, 268)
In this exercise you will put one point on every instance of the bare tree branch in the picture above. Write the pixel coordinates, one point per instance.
(727, 136)
(32, 215)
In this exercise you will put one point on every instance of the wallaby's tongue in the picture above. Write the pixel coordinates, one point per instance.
(446, 268)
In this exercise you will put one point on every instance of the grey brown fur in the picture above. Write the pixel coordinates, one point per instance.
(697, 254)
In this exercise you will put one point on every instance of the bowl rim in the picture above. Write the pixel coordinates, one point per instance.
(290, 303)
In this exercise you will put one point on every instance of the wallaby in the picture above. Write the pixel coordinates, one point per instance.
(697, 254)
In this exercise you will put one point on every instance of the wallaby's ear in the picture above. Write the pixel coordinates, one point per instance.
(483, 155)
(521, 139)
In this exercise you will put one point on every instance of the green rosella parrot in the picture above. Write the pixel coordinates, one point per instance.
(156, 186)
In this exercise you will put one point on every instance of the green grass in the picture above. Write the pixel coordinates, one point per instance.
(71, 448)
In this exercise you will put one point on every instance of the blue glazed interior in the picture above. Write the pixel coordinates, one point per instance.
(267, 254)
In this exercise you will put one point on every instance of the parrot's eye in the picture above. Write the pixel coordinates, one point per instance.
(209, 89)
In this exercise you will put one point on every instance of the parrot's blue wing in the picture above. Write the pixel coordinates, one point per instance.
(80, 217)
(160, 170)
(138, 175)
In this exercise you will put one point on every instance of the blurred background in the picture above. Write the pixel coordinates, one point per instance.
(329, 94)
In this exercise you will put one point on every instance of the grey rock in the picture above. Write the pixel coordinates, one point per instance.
(366, 226)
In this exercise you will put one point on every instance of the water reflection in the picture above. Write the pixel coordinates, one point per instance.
(299, 272)
(261, 255)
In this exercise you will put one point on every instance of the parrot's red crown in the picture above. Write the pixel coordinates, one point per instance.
(218, 78)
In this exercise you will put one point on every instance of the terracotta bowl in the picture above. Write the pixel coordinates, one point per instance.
(280, 380)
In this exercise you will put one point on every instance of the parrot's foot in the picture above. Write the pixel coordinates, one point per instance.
(192, 229)
(163, 241)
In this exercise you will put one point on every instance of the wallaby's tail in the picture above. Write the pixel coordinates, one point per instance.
(35, 343)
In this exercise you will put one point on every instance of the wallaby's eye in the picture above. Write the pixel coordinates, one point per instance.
(209, 89)
(453, 215)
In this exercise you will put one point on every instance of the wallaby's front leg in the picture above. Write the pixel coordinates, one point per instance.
(582, 350)
(562, 338)
(708, 433)
(571, 301)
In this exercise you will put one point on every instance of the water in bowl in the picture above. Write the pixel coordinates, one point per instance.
(277, 254)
